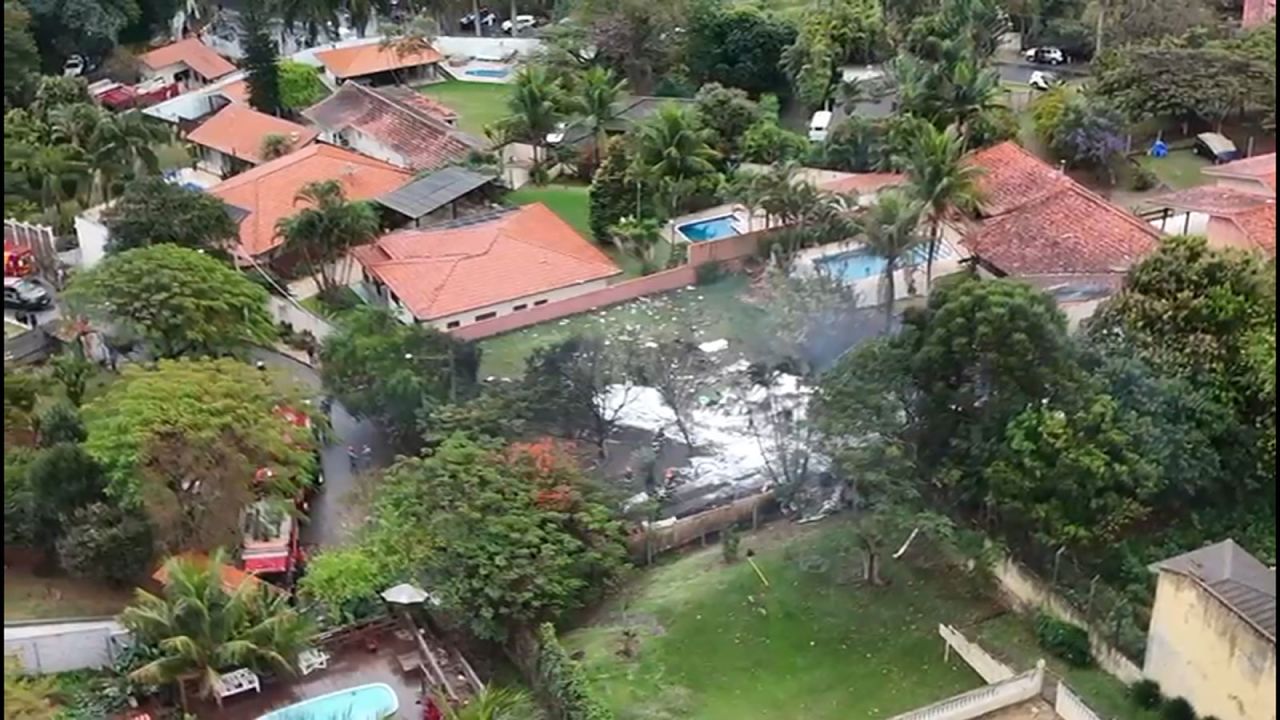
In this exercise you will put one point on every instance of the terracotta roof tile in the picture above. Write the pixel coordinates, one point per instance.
(238, 130)
(359, 60)
(237, 91)
(1012, 177)
(1048, 224)
(1253, 213)
(1259, 226)
(266, 192)
(232, 577)
(1260, 167)
(453, 269)
(408, 128)
(193, 53)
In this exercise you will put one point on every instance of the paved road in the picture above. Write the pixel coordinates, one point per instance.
(1020, 72)
(330, 518)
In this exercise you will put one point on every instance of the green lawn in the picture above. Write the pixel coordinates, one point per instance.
(477, 104)
(347, 299)
(28, 597)
(572, 203)
(1012, 638)
(1180, 170)
(714, 310)
(715, 644)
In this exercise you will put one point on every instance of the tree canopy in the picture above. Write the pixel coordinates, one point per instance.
(738, 47)
(152, 211)
(180, 301)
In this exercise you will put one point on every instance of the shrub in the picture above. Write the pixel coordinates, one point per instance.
(1144, 178)
(730, 543)
(562, 681)
(104, 542)
(1066, 641)
(1177, 709)
(710, 272)
(1146, 694)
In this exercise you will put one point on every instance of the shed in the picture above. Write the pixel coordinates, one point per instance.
(1216, 147)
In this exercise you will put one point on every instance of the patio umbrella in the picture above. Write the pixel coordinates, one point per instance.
(405, 594)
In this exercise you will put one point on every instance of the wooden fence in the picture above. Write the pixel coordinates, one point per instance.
(647, 542)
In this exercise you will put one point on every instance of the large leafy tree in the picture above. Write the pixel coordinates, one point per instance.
(300, 85)
(326, 229)
(738, 47)
(153, 212)
(614, 195)
(833, 34)
(941, 178)
(567, 385)
(21, 61)
(261, 60)
(222, 411)
(106, 542)
(726, 113)
(517, 536)
(178, 300)
(1090, 133)
(199, 629)
(92, 27)
(1185, 83)
(58, 481)
(631, 36)
(890, 230)
(395, 372)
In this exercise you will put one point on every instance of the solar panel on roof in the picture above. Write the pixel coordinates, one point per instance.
(432, 192)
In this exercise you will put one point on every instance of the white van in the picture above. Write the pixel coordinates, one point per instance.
(818, 126)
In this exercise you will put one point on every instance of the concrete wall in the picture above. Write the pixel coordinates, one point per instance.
(486, 48)
(726, 250)
(1070, 707)
(984, 700)
(365, 144)
(524, 304)
(612, 295)
(1201, 650)
(988, 668)
(52, 647)
(1026, 591)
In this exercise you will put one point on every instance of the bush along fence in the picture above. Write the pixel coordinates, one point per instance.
(561, 684)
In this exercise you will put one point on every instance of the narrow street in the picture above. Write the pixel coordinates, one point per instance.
(330, 522)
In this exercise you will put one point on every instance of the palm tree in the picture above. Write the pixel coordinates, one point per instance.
(75, 124)
(535, 109)
(973, 90)
(54, 173)
(324, 232)
(749, 188)
(200, 629)
(311, 15)
(491, 704)
(890, 229)
(638, 238)
(123, 145)
(672, 152)
(596, 95)
(941, 178)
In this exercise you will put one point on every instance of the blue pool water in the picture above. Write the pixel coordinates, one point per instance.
(709, 229)
(489, 72)
(860, 264)
(365, 702)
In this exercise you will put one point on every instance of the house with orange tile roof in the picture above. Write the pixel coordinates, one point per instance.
(1037, 224)
(394, 124)
(482, 267)
(266, 194)
(189, 63)
(232, 140)
(373, 64)
(1255, 174)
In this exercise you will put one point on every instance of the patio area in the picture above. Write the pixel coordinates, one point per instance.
(349, 666)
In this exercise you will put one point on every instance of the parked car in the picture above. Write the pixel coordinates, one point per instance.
(1216, 147)
(75, 66)
(519, 23)
(1045, 55)
(1041, 80)
(26, 294)
(818, 126)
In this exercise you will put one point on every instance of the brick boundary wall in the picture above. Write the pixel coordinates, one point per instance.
(729, 250)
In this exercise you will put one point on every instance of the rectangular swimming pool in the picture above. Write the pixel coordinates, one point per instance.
(488, 72)
(861, 264)
(709, 229)
(365, 702)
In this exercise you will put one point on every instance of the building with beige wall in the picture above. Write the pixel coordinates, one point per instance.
(479, 268)
(1212, 638)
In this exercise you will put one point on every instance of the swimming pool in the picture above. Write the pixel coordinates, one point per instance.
(364, 702)
(709, 229)
(489, 72)
(861, 264)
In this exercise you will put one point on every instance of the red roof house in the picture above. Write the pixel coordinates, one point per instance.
(1228, 217)
(189, 63)
(480, 268)
(1040, 225)
(396, 125)
(1255, 174)
(232, 138)
(265, 194)
(377, 65)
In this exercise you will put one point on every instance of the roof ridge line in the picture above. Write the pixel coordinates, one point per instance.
(555, 250)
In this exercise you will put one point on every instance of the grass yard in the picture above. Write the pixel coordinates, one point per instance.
(714, 310)
(28, 597)
(714, 644)
(347, 300)
(573, 204)
(1012, 638)
(1180, 170)
(477, 104)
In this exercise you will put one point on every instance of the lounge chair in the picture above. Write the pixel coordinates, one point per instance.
(311, 660)
(236, 682)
